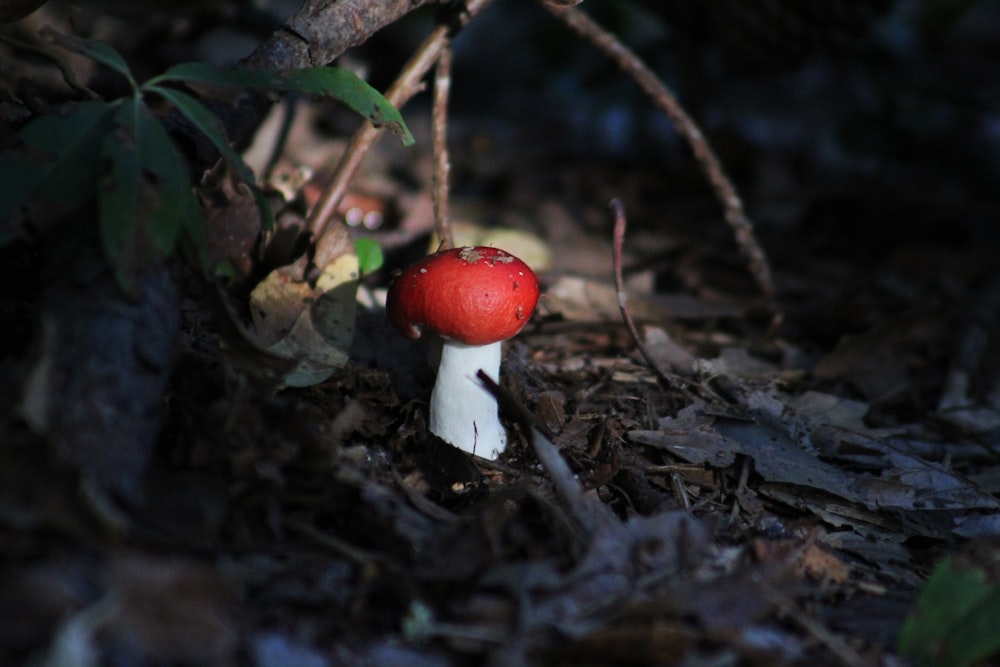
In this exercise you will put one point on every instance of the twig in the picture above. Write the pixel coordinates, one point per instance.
(741, 486)
(724, 189)
(677, 483)
(289, 107)
(588, 511)
(439, 138)
(616, 260)
(406, 86)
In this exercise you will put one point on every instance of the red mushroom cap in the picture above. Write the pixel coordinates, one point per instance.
(474, 296)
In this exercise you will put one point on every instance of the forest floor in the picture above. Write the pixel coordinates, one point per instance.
(770, 493)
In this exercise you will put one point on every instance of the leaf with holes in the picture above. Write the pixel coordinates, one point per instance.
(145, 198)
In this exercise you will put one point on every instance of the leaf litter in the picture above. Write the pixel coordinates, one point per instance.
(784, 510)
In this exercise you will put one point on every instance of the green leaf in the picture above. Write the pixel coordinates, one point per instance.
(93, 49)
(118, 199)
(352, 91)
(955, 619)
(328, 81)
(175, 205)
(208, 124)
(206, 73)
(55, 155)
(145, 199)
(369, 254)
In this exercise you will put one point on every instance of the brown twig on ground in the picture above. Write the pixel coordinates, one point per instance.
(439, 138)
(618, 209)
(724, 189)
(403, 88)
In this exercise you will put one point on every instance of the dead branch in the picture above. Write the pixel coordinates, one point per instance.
(323, 29)
(724, 189)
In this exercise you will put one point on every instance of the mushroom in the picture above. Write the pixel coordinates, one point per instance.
(473, 298)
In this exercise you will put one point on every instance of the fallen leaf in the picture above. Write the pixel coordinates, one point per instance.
(311, 325)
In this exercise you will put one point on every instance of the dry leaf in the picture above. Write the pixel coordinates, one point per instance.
(314, 326)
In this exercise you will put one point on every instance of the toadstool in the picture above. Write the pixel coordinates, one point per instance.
(474, 298)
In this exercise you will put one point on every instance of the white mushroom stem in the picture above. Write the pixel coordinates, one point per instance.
(463, 412)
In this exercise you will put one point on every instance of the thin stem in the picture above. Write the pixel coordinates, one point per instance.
(618, 209)
(289, 107)
(439, 137)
